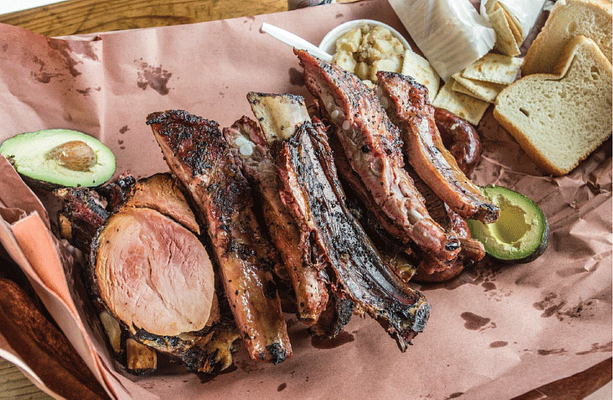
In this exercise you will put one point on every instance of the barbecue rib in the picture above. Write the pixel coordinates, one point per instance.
(279, 117)
(372, 147)
(295, 246)
(197, 153)
(407, 104)
(313, 196)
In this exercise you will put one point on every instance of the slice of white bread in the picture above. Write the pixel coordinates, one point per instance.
(560, 119)
(569, 18)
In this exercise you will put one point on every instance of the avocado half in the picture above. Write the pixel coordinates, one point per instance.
(521, 233)
(60, 157)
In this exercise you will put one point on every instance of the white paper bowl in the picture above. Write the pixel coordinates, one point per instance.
(328, 43)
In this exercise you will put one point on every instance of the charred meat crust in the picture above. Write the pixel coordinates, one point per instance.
(373, 148)
(209, 351)
(409, 107)
(306, 162)
(117, 192)
(197, 153)
(334, 318)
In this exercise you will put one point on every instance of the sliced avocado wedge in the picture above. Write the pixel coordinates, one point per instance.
(60, 157)
(520, 234)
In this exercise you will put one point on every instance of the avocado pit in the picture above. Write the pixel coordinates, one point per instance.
(75, 155)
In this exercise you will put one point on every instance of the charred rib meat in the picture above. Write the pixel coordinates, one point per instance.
(296, 247)
(372, 146)
(197, 153)
(313, 196)
(360, 272)
(408, 105)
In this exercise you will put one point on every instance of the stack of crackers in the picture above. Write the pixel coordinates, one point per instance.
(468, 93)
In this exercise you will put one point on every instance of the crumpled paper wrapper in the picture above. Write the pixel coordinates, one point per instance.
(450, 33)
(496, 331)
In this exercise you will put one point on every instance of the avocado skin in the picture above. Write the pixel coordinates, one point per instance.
(544, 237)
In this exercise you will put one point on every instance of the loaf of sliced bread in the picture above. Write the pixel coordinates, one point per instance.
(559, 119)
(569, 18)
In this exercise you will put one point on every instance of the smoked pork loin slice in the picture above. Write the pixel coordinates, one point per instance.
(153, 273)
(150, 276)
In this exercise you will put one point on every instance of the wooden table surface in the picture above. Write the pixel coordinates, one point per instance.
(87, 16)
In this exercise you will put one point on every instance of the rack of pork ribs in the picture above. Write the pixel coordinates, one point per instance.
(311, 214)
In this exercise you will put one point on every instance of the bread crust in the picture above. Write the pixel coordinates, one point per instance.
(542, 54)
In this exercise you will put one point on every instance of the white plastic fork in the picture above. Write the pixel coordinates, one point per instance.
(295, 41)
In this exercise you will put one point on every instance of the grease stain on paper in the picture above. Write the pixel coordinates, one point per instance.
(154, 77)
(41, 75)
(474, 322)
(597, 348)
(85, 92)
(553, 306)
(565, 273)
(247, 366)
(549, 305)
(542, 352)
(81, 47)
(64, 49)
(45, 77)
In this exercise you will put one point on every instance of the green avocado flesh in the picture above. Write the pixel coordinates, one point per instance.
(42, 156)
(521, 232)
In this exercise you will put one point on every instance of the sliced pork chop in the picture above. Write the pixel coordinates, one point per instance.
(150, 276)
